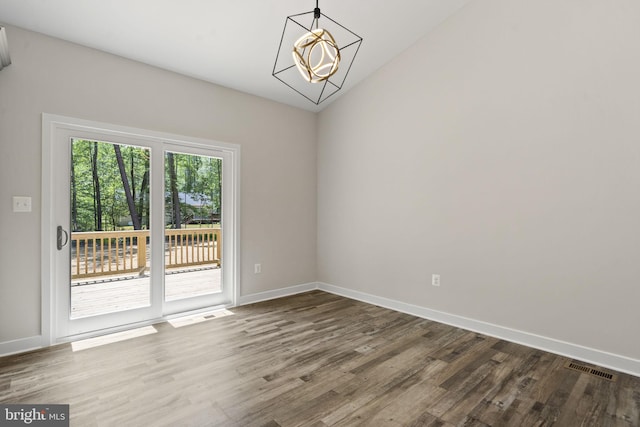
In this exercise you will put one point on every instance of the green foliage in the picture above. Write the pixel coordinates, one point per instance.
(198, 183)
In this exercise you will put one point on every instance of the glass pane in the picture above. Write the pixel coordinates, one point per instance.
(109, 239)
(193, 232)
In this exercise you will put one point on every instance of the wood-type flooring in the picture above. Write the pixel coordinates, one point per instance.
(316, 359)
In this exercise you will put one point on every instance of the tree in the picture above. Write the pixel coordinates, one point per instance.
(97, 200)
(175, 198)
(218, 186)
(74, 197)
(83, 217)
(135, 219)
(110, 183)
(143, 200)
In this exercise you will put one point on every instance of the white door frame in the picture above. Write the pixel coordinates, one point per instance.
(53, 126)
(169, 308)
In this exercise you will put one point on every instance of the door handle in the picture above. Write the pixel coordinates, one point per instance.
(60, 243)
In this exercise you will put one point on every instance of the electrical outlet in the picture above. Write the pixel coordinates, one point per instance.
(435, 280)
(21, 204)
(257, 268)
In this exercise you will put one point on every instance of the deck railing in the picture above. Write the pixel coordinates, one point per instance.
(104, 253)
(195, 246)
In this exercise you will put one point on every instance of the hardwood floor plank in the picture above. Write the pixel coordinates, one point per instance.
(494, 405)
(463, 410)
(318, 360)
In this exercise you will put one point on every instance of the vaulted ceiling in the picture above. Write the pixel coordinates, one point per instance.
(232, 43)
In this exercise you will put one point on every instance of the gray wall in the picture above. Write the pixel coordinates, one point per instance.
(502, 151)
(278, 180)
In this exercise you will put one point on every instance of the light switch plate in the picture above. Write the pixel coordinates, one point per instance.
(21, 204)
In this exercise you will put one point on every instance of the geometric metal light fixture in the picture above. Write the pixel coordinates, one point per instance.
(4, 49)
(315, 56)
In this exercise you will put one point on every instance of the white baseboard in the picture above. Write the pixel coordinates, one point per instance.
(574, 351)
(26, 344)
(21, 345)
(277, 293)
(562, 348)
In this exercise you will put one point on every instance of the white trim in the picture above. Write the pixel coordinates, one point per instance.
(27, 344)
(47, 270)
(107, 331)
(65, 122)
(21, 345)
(562, 348)
(235, 267)
(39, 341)
(150, 322)
(52, 127)
(277, 293)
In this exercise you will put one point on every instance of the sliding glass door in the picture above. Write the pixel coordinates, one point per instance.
(109, 231)
(194, 221)
(138, 226)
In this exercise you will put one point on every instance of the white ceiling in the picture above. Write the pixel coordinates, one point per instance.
(232, 43)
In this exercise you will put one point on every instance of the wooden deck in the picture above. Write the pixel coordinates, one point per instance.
(128, 292)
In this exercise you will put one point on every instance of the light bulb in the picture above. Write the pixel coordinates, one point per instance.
(316, 55)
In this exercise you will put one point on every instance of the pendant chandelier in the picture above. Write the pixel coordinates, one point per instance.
(315, 55)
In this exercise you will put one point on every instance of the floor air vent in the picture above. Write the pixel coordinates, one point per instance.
(589, 370)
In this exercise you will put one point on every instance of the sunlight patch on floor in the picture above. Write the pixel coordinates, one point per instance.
(112, 338)
(199, 318)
